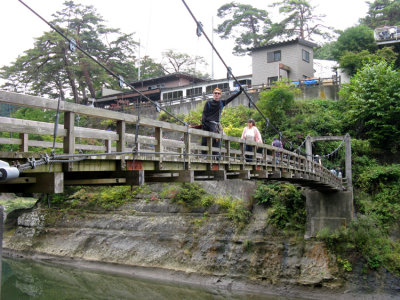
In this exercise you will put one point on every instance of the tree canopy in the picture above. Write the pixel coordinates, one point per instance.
(351, 62)
(371, 105)
(354, 39)
(245, 23)
(174, 61)
(382, 12)
(300, 21)
(51, 69)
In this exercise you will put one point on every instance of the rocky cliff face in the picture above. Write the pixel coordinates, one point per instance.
(169, 236)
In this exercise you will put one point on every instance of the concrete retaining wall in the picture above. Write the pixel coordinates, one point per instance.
(310, 92)
(330, 210)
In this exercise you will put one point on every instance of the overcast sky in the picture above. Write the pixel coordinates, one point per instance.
(159, 24)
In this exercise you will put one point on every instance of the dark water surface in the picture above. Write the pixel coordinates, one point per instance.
(27, 279)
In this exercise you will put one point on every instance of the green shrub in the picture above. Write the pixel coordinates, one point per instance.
(189, 194)
(112, 197)
(286, 207)
(380, 193)
(366, 237)
(17, 203)
(235, 209)
(192, 195)
(107, 198)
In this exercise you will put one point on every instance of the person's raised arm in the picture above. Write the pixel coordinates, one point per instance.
(230, 99)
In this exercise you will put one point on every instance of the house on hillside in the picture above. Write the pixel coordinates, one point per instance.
(292, 59)
(150, 87)
(168, 89)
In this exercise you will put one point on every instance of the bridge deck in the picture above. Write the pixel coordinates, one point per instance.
(164, 152)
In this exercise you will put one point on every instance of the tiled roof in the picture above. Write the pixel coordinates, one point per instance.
(285, 42)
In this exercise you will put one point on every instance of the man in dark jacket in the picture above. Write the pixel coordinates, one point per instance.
(211, 117)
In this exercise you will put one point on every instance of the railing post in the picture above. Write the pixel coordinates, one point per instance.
(273, 153)
(188, 150)
(209, 145)
(243, 150)
(255, 156)
(158, 134)
(228, 152)
(24, 142)
(69, 139)
(121, 143)
(265, 156)
(108, 146)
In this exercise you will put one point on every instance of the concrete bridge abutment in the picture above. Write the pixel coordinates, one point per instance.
(327, 210)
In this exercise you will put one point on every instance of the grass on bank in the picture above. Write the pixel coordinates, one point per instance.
(17, 203)
(193, 195)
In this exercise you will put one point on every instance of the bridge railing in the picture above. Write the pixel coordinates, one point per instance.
(160, 142)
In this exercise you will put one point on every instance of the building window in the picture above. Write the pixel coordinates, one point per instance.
(274, 56)
(173, 95)
(223, 86)
(271, 80)
(194, 92)
(243, 82)
(306, 55)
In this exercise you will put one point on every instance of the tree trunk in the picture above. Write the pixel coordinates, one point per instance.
(60, 89)
(83, 90)
(88, 80)
(71, 78)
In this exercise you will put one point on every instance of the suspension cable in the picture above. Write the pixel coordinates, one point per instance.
(334, 151)
(99, 63)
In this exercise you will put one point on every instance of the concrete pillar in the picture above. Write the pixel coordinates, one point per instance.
(308, 147)
(327, 210)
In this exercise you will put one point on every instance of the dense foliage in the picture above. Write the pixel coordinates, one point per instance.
(371, 105)
(366, 238)
(51, 69)
(246, 19)
(354, 39)
(382, 12)
(300, 20)
(103, 198)
(351, 62)
(276, 103)
(251, 27)
(380, 193)
(286, 206)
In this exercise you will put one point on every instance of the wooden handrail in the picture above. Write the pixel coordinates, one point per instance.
(159, 144)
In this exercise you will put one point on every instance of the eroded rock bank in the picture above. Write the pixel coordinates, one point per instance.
(163, 235)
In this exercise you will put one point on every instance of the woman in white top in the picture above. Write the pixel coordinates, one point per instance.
(250, 132)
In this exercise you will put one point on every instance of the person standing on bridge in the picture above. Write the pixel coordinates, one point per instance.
(278, 144)
(251, 132)
(211, 117)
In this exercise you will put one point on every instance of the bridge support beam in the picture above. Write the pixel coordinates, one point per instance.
(35, 183)
(327, 210)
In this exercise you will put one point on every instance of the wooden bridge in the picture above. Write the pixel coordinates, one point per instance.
(160, 152)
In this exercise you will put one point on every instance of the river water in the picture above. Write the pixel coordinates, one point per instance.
(27, 279)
